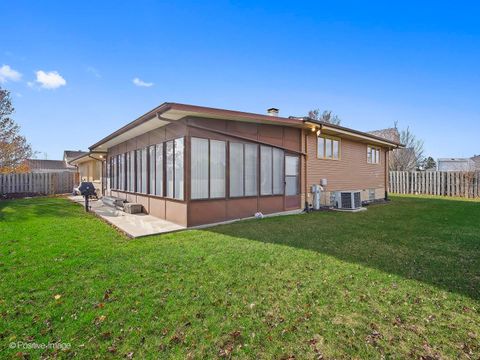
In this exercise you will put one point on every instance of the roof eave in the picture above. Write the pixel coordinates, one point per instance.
(161, 113)
(147, 116)
(354, 133)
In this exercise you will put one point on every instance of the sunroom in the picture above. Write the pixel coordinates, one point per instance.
(194, 165)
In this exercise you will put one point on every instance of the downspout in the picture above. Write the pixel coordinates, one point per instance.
(160, 117)
(387, 172)
(305, 172)
(320, 127)
(387, 182)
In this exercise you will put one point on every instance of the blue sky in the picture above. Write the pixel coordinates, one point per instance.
(70, 65)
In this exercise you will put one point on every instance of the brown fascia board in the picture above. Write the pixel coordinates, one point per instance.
(353, 131)
(159, 110)
(148, 115)
(291, 121)
(234, 113)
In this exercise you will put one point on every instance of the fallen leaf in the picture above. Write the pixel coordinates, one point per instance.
(226, 351)
(100, 319)
(235, 334)
(107, 294)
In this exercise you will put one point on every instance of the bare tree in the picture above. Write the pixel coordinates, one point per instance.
(14, 149)
(325, 116)
(471, 173)
(428, 164)
(409, 158)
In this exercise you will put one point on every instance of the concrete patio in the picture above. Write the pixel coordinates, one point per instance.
(134, 225)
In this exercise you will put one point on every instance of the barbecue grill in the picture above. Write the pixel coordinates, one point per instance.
(86, 190)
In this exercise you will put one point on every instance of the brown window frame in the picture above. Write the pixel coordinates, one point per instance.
(273, 193)
(244, 175)
(227, 167)
(332, 138)
(297, 176)
(165, 187)
(371, 159)
(135, 185)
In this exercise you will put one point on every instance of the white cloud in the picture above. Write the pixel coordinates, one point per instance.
(142, 83)
(8, 74)
(49, 80)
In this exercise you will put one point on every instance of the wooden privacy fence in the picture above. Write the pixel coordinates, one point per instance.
(38, 183)
(446, 183)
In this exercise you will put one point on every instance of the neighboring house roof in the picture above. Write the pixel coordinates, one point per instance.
(69, 155)
(391, 134)
(476, 160)
(54, 165)
(456, 164)
(170, 112)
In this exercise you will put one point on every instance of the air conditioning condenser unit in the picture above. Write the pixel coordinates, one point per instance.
(347, 200)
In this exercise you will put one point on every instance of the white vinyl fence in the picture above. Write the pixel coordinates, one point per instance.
(38, 183)
(445, 183)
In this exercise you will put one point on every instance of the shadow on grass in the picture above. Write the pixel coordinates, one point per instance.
(435, 241)
(40, 207)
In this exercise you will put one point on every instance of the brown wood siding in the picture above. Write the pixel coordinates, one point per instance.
(157, 207)
(176, 212)
(350, 172)
(287, 138)
(200, 212)
(172, 210)
(218, 210)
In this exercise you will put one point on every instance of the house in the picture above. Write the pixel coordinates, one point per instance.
(195, 165)
(69, 155)
(47, 166)
(89, 167)
(44, 166)
(476, 160)
(402, 158)
(391, 134)
(456, 164)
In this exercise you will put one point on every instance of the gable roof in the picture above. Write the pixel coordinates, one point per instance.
(391, 134)
(69, 155)
(476, 160)
(36, 164)
(169, 112)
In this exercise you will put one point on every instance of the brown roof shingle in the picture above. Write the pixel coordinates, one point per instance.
(69, 155)
(391, 134)
(36, 164)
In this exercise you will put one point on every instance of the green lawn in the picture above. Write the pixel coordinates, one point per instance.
(400, 281)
